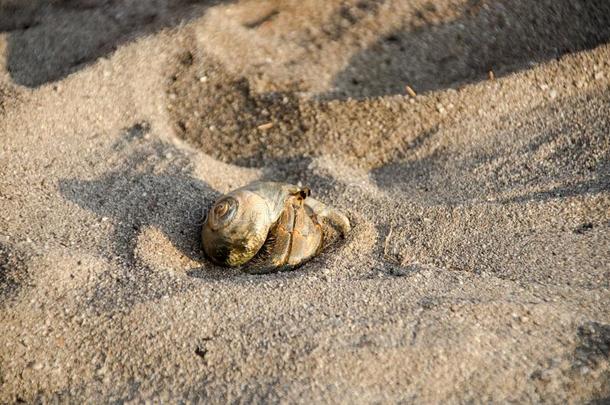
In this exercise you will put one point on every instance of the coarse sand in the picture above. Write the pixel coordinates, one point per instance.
(478, 267)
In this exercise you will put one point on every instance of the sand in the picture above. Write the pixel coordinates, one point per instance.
(478, 268)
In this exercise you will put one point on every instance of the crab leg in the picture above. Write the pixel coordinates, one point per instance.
(336, 218)
(293, 240)
(306, 236)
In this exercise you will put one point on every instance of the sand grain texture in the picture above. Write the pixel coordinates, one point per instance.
(478, 268)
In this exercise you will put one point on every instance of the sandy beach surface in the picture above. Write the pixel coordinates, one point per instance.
(478, 267)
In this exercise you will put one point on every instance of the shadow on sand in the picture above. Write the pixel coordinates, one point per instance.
(150, 188)
(498, 36)
(558, 160)
(50, 39)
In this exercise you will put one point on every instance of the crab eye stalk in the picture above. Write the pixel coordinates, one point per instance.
(222, 213)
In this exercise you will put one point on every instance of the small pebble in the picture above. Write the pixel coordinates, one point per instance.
(265, 126)
(410, 91)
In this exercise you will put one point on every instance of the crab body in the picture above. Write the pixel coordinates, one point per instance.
(268, 226)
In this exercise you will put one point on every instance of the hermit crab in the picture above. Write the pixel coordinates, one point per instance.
(266, 227)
